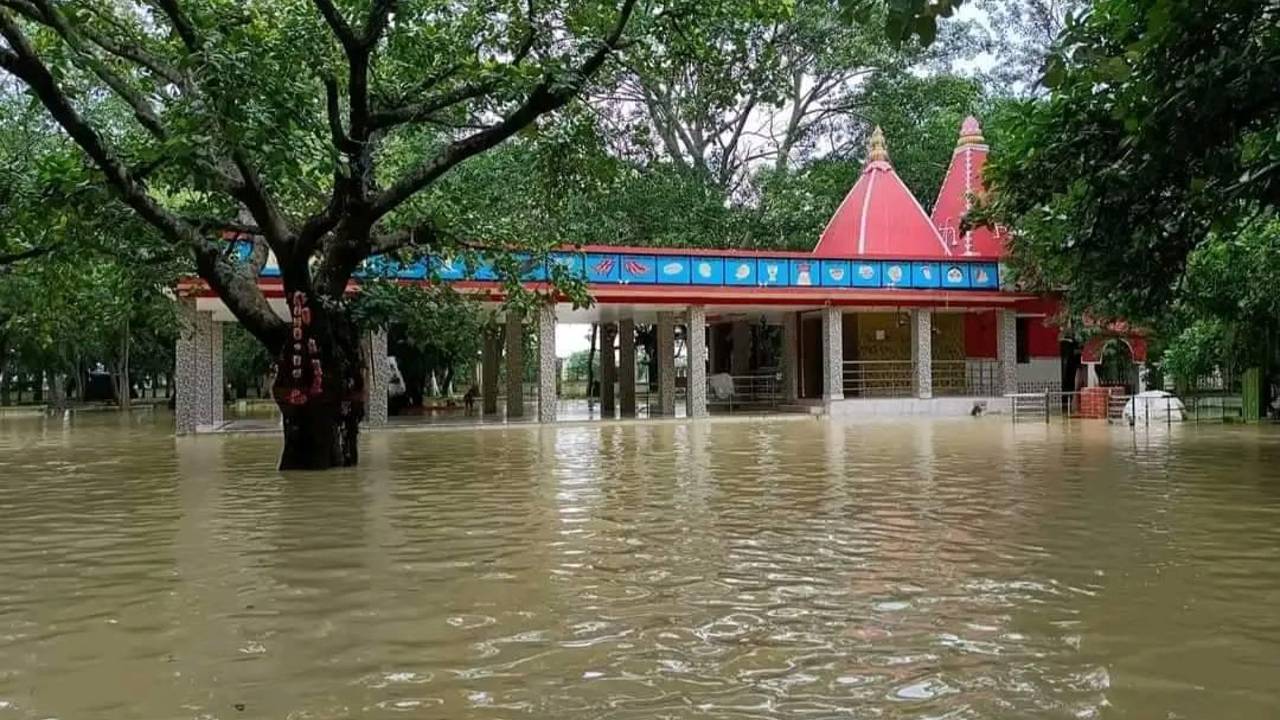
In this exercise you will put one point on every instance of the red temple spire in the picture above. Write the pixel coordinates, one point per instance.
(880, 217)
(961, 185)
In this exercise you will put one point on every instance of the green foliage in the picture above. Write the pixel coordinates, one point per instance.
(445, 327)
(1161, 129)
(245, 362)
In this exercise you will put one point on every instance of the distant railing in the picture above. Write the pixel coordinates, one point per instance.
(879, 378)
(1043, 406)
(734, 393)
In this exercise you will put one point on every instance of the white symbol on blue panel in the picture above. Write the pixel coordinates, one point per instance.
(955, 275)
(866, 272)
(982, 277)
(895, 274)
(672, 268)
(927, 272)
(804, 276)
(771, 273)
(836, 273)
(704, 270)
(742, 272)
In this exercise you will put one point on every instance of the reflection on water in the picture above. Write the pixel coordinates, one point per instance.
(726, 570)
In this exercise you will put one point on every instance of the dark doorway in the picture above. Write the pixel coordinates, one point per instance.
(811, 357)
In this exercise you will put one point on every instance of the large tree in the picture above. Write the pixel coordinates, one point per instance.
(320, 124)
(1161, 131)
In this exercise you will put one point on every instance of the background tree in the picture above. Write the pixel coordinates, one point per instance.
(327, 161)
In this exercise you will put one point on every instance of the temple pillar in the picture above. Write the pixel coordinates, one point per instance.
(1007, 350)
(666, 362)
(740, 355)
(490, 357)
(377, 374)
(1143, 378)
(198, 370)
(696, 381)
(790, 357)
(548, 371)
(608, 370)
(1092, 375)
(627, 367)
(922, 353)
(515, 365)
(832, 354)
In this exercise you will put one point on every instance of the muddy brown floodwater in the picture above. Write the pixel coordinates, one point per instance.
(810, 569)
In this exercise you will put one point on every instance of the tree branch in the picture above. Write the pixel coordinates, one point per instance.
(181, 24)
(236, 288)
(548, 96)
(338, 24)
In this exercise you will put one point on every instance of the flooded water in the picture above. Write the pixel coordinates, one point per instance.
(963, 569)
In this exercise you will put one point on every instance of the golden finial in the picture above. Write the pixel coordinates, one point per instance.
(877, 151)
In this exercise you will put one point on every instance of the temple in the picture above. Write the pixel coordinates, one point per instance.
(894, 312)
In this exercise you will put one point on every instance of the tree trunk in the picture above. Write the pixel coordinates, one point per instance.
(121, 376)
(320, 387)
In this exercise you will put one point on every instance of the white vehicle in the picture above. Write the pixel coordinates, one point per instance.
(395, 381)
(1156, 406)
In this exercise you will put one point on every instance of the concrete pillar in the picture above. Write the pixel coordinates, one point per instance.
(490, 357)
(666, 362)
(377, 374)
(548, 369)
(198, 365)
(832, 354)
(740, 356)
(696, 340)
(922, 353)
(1092, 375)
(608, 370)
(515, 365)
(790, 357)
(1007, 350)
(184, 369)
(627, 367)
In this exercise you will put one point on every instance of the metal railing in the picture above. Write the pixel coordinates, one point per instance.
(1043, 406)
(746, 392)
(879, 378)
(977, 378)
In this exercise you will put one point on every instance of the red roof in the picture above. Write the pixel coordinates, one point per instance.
(880, 217)
(962, 183)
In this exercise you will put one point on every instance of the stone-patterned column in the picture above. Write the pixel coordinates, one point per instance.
(790, 357)
(608, 370)
(832, 354)
(490, 357)
(377, 375)
(696, 340)
(184, 369)
(922, 353)
(666, 362)
(1007, 349)
(515, 365)
(208, 371)
(548, 370)
(740, 356)
(627, 367)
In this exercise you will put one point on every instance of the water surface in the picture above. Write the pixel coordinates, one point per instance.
(960, 569)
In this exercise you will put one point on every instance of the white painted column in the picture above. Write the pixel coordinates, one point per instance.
(490, 357)
(666, 362)
(608, 370)
(696, 340)
(217, 385)
(832, 354)
(515, 365)
(627, 367)
(1007, 349)
(377, 373)
(922, 352)
(1142, 377)
(548, 370)
(1092, 370)
(790, 357)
